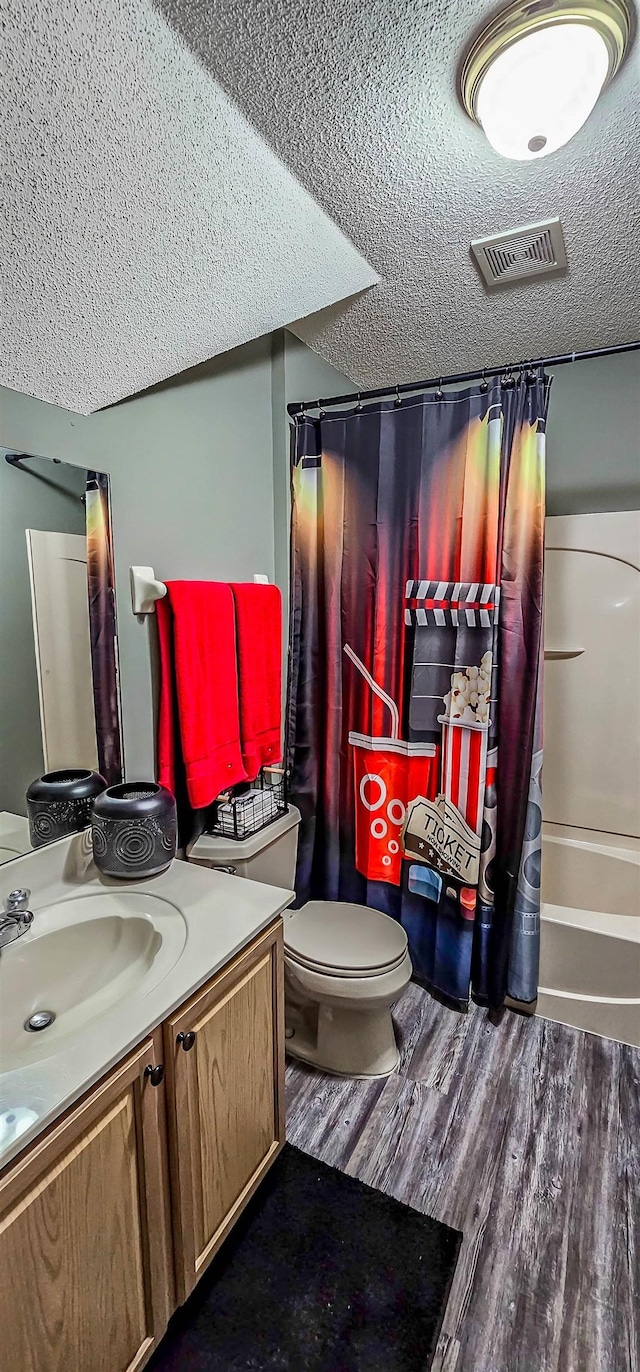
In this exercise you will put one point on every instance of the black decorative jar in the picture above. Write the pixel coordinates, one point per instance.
(134, 830)
(60, 803)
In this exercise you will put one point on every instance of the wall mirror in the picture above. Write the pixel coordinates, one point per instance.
(59, 695)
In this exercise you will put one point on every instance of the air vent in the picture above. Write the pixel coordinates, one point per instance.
(521, 254)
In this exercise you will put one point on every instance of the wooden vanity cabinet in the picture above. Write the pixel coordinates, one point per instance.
(86, 1280)
(224, 1053)
(108, 1219)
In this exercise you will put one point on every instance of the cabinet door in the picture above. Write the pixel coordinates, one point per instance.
(225, 1099)
(87, 1282)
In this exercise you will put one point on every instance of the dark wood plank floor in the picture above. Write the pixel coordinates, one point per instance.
(526, 1136)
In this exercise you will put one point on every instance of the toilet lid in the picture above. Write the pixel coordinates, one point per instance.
(348, 940)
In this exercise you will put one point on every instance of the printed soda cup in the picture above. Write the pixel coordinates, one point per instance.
(388, 774)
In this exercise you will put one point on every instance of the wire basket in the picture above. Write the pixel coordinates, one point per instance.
(246, 811)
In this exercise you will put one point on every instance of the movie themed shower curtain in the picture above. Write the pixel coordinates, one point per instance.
(415, 729)
(102, 626)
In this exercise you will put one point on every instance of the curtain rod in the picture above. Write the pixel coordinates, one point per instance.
(14, 458)
(380, 392)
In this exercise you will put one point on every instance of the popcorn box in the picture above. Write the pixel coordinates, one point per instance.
(464, 767)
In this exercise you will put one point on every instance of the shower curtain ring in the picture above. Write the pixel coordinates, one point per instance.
(397, 402)
(359, 405)
(484, 384)
(320, 410)
(439, 392)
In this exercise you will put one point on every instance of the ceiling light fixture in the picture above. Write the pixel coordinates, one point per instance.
(534, 74)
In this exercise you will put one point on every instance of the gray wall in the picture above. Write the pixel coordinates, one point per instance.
(191, 489)
(200, 474)
(297, 374)
(593, 433)
(593, 436)
(36, 495)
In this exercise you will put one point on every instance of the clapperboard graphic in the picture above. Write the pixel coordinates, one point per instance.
(451, 693)
(473, 604)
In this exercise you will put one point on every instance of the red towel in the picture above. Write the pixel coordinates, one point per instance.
(259, 632)
(196, 626)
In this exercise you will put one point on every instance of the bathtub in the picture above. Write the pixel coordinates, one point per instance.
(590, 934)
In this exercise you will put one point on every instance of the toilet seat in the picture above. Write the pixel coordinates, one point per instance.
(343, 940)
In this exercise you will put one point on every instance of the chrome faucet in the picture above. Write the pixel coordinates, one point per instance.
(16, 918)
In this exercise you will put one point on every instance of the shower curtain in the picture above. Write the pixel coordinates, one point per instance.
(414, 718)
(102, 626)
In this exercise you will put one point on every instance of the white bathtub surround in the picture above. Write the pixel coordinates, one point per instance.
(590, 930)
(188, 923)
(592, 698)
(590, 944)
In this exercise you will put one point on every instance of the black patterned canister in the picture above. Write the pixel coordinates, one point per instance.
(60, 803)
(134, 830)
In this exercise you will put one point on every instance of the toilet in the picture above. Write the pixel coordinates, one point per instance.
(345, 965)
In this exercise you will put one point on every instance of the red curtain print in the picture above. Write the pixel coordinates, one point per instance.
(102, 627)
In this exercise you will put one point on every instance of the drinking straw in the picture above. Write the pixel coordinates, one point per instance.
(377, 690)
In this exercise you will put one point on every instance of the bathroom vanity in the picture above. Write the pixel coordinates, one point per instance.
(148, 1119)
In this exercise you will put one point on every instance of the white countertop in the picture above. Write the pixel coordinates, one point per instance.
(222, 914)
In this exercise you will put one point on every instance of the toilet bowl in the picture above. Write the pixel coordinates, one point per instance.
(345, 965)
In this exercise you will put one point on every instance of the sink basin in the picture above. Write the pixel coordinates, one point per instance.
(79, 958)
(7, 854)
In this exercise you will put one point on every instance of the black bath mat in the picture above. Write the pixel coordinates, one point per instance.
(320, 1274)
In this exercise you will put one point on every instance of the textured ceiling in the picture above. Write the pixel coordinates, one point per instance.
(358, 98)
(147, 225)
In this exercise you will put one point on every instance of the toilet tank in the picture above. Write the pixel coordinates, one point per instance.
(269, 856)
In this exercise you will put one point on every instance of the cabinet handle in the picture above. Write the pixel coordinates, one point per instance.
(155, 1074)
(187, 1040)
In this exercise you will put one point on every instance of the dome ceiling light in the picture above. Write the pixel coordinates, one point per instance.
(534, 74)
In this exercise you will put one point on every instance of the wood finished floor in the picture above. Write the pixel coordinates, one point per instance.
(526, 1136)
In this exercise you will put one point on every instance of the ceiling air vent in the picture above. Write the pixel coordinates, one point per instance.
(521, 254)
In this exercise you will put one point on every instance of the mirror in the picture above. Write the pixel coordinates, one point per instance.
(59, 698)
